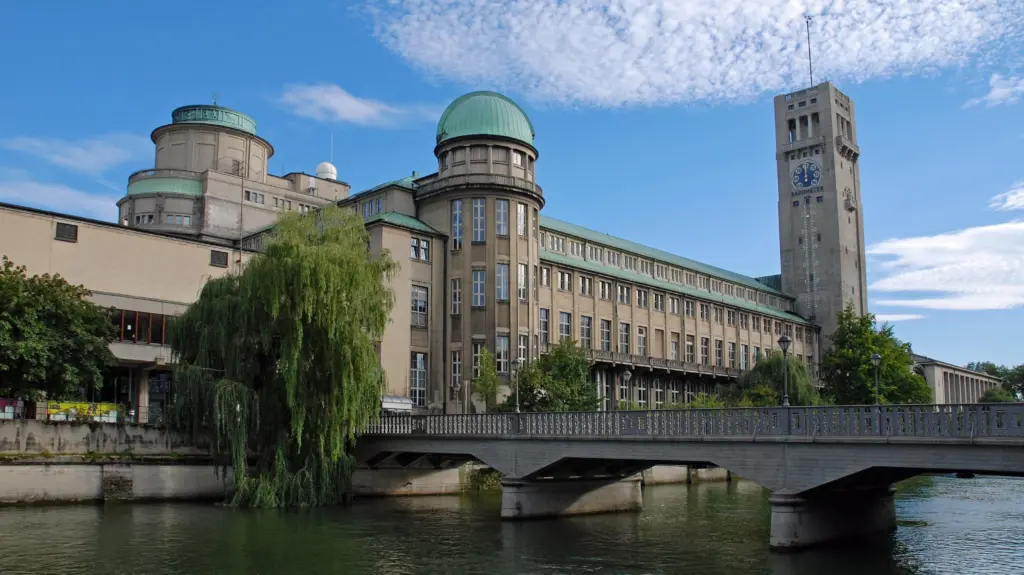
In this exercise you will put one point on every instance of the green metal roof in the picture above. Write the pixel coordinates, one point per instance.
(407, 182)
(214, 115)
(484, 114)
(773, 281)
(656, 254)
(640, 279)
(403, 221)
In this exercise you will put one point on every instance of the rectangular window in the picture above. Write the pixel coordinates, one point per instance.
(419, 306)
(545, 320)
(456, 380)
(704, 312)
(501, 217)
(730, 317)
(418, 379)
(744, 320)
(575, 248)
(564, 281)
(624, 295)
(641, 298)
(688, 305)
(675, 346)
(478, 349)
(732, 354)
(673, 305)
(524, 344)
(606, 290)
(456, 224)
(521, 286)
(586, 286)
(419, 249)
(501, 282)
(564, 326)
(718, 353)
(456, 296)
(659, 302)
(218, 258)
(586, 327)
(606, 335)
(718, 314)
(501, 352)
(689, 349)
(545, 276)
(755, 323)
(521, 219)
(479, 219)
(744, 356)
(479, 296)
(623, 337)
(757, 354)
(705, 350)
(641, 341)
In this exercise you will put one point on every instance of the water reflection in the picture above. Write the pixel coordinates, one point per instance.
(948, 526)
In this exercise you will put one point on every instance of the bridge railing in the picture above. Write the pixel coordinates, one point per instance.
(931, 421)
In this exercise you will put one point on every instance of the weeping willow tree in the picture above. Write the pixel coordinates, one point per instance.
(278, 364)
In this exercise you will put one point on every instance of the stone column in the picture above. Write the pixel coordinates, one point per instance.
(524, 499)
(798, 522)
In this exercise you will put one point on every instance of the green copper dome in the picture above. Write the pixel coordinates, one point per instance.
(484, 114)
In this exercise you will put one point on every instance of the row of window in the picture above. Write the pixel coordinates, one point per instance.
(279, 203)
(139, 326)
(479, 220)
(170, 219)
(606, 256)
(478, 154)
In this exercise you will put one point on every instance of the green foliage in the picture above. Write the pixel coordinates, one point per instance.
(997, 395)
(848, 374)
(279, 362)
(559, 381)
(706, 401)
(485, 385)
(1012, 376)
(52, 341)
(763, 386)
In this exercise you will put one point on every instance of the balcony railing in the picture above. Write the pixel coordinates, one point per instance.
(971, 421)
(479, 180)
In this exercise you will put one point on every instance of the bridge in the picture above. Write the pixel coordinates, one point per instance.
(830, 469)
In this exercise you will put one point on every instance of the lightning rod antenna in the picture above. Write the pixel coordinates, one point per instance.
(810, 62)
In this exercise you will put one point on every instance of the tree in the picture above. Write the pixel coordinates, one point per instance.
(997, 395)
(485, 384)
(848, 373)
(1012, 376)
(559, 381)
(280, 362)
(52, 340)
(763, 386)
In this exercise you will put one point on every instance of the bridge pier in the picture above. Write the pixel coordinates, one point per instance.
(524, 499)
(798, 522)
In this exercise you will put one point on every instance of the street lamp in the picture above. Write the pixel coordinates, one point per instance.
(876, 360)
(515, 378)
(456, 387)
(626, 376)
(784, 342)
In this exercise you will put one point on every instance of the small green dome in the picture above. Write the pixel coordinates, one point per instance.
(484, 114)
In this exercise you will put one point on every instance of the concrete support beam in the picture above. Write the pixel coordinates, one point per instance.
(534, 499)
(800, 522)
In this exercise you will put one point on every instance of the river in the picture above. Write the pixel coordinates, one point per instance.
(947, 525)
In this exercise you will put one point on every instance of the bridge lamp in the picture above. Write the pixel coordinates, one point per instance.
(626, 376)
(518, 365)
(784, 342)
(876, 360)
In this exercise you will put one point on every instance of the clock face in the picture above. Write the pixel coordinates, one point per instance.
(806, 175)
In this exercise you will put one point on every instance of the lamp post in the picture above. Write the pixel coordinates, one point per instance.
(515, 378)
(456, 387)
(876, 360)
(784, 342)
(626, 376)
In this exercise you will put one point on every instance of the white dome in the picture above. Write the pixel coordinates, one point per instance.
(326, 171)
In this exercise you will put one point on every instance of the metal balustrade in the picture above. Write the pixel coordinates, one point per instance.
(966, 421)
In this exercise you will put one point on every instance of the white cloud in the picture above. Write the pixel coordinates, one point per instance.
(58, 197)
(90, 156)
(1011, 200)
(895, 317)
(1002, 90)
(331, 103)
(615, 52)
(972, 269)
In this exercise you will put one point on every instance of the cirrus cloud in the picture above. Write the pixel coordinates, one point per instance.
(332, 103)
(621, 52)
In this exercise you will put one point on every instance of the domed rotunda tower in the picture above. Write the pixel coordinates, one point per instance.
(485, 197)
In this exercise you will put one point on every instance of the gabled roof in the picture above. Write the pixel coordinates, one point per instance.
(655, 254)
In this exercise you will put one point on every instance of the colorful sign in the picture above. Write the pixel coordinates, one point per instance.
(74, 410)
(12, 409)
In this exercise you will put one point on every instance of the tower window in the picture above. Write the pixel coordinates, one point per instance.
(821, 199)
(790, 107)
(796, 203)
(802, 104)
(814, 100)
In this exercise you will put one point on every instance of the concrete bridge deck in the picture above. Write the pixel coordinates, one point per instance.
(830, 468)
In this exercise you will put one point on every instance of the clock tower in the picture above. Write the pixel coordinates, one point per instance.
(821, 226)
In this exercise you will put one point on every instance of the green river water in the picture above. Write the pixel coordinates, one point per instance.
(947, 525)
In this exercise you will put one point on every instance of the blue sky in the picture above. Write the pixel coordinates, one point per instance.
(653, 119)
